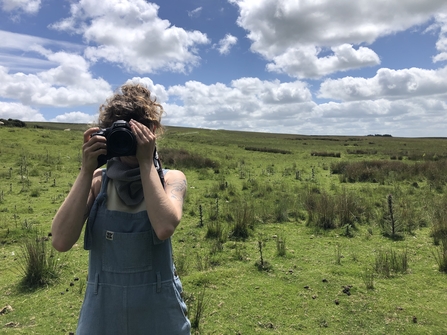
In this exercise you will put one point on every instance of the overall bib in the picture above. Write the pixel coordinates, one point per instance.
(131, 287)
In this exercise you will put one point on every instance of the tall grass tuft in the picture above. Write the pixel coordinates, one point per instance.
(391, 262)
(321, 210)
(37, 264)
(199, 305)
(441, 256)
(368, 278)
(244, 221)
(281, 246)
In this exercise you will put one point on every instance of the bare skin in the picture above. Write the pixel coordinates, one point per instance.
(164, 205)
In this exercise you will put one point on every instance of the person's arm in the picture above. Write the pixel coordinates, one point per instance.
(69, 219)
(164, 206)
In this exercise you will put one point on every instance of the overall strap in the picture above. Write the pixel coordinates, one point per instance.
(104, 180)
(92, 216)
(159, 168)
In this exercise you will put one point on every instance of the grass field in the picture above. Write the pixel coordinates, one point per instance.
(281, 234)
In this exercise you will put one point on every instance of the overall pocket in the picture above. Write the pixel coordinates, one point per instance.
(127, 252)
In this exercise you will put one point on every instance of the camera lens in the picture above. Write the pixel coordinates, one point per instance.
(122, 143)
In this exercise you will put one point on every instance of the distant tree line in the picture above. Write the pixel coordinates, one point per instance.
(13, 123)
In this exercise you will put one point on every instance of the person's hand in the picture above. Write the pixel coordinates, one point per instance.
(93, 147)
(145, 141)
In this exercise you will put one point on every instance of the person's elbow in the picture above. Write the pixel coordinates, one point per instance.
(167, 230)
(60, 245)
(165, 233)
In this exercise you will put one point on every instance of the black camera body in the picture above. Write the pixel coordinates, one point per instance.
(120, 141)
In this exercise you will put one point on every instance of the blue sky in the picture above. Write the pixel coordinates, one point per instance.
(283, 66)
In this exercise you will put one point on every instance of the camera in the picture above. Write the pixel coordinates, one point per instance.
(120, 141)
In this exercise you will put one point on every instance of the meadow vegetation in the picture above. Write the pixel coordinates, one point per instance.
(281, 234)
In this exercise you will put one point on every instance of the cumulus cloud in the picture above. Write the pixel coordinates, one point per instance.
(248, 103)
(14, 110)
(389, 84)
(254, 105)
(441, 45)
(290, 33)
(75, 117)
(27, 6)
(408, 118)
(226, 43)
(68, 84)
(131, 34)
(304, 62)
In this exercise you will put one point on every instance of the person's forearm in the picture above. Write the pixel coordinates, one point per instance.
(69, 220)
(163, 215)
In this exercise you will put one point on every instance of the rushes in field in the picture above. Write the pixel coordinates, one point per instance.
(281, 246)
(390, 262)
(441, 256)
(199, 305)
(37, 264)
(215, 230)
(243, 221)
(338, 255)
(368, 278)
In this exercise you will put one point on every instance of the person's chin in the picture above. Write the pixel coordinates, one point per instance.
(131, 161)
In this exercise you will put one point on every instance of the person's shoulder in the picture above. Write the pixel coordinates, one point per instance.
(174, 174)
(96, 181)
(97, 174)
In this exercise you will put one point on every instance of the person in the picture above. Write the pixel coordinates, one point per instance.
(132, 287)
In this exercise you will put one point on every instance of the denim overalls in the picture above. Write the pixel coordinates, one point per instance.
(131, 287)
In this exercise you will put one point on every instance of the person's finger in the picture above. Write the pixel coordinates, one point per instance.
(89, 132)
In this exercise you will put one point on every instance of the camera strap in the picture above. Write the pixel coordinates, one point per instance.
(159, 168)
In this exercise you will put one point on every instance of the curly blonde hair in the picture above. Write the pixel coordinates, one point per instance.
(132, 101)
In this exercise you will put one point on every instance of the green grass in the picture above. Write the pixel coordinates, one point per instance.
(317, 284)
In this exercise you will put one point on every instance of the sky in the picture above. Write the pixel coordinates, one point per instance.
(310, 67)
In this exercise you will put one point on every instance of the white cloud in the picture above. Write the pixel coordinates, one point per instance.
(248, 103)
(130, 33)
(389, 84)
(23, 53)
(226, 43)
(441, 45)
(159, 91)
(68, 84)
(406, 118)
(14, 110)
(75, 117)
(27, 6)
(291, 33)
(195, 13)
(304, 62)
